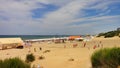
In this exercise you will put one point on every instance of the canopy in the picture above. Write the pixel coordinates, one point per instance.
(74, 37)
(11, 41)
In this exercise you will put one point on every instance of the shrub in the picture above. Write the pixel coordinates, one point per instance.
(41, 57)
(1, 63)
(109, 34)
(101, 34)
(106, 58)
(71, 59)
(13, 63)
(30, 58)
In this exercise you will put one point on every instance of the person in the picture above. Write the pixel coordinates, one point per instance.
(29, 50)
(102, 45)
(98, 45)
(40, 48)
(63, 41)
(94, 47)
(38, 66)
(64, 46)
(88, 47)
(84, 44)
(34, 66)
(34, 49)
(75, 45)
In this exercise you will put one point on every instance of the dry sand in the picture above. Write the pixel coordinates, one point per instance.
(60, 57)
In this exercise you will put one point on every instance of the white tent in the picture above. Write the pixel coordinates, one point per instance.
(10, 42)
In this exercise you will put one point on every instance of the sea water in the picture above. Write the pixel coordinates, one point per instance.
(27, 37)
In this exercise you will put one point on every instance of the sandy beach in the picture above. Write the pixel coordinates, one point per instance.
(62, 55)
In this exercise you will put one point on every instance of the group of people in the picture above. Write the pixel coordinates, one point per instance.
(95, 45)
(99, 44)
(29, 51)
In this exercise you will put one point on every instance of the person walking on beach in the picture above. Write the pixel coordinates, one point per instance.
(34, 49)
(75, 45)
(101, 43)
(40, 48)
(38, 66)
(94, 47)
(64, 46)
(84, 44)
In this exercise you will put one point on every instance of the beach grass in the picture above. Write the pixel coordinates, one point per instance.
(30, 58)
(106, 58)
(13, 63)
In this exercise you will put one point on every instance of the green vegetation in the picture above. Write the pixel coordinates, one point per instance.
(30, 58)
(110, 34)
(41, 57)
(13, 63)
(106, 58)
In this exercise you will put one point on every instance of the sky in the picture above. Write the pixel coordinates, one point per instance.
(62, 17)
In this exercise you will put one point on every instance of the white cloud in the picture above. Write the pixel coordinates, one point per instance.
(68, 12)
(103, 5)
(19, 16)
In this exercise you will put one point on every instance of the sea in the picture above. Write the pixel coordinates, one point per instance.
(28, 37)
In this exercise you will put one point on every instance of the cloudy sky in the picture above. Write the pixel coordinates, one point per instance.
(47, 17)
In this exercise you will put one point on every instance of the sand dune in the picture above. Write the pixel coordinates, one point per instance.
(60, 57)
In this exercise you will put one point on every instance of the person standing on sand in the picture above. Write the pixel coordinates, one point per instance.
(100, 44)
(40, 48)
(75, 45)
(94, 47)
(64, 46)
(34, 49)
(38, 66)
(29, 50)
(84, 44)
